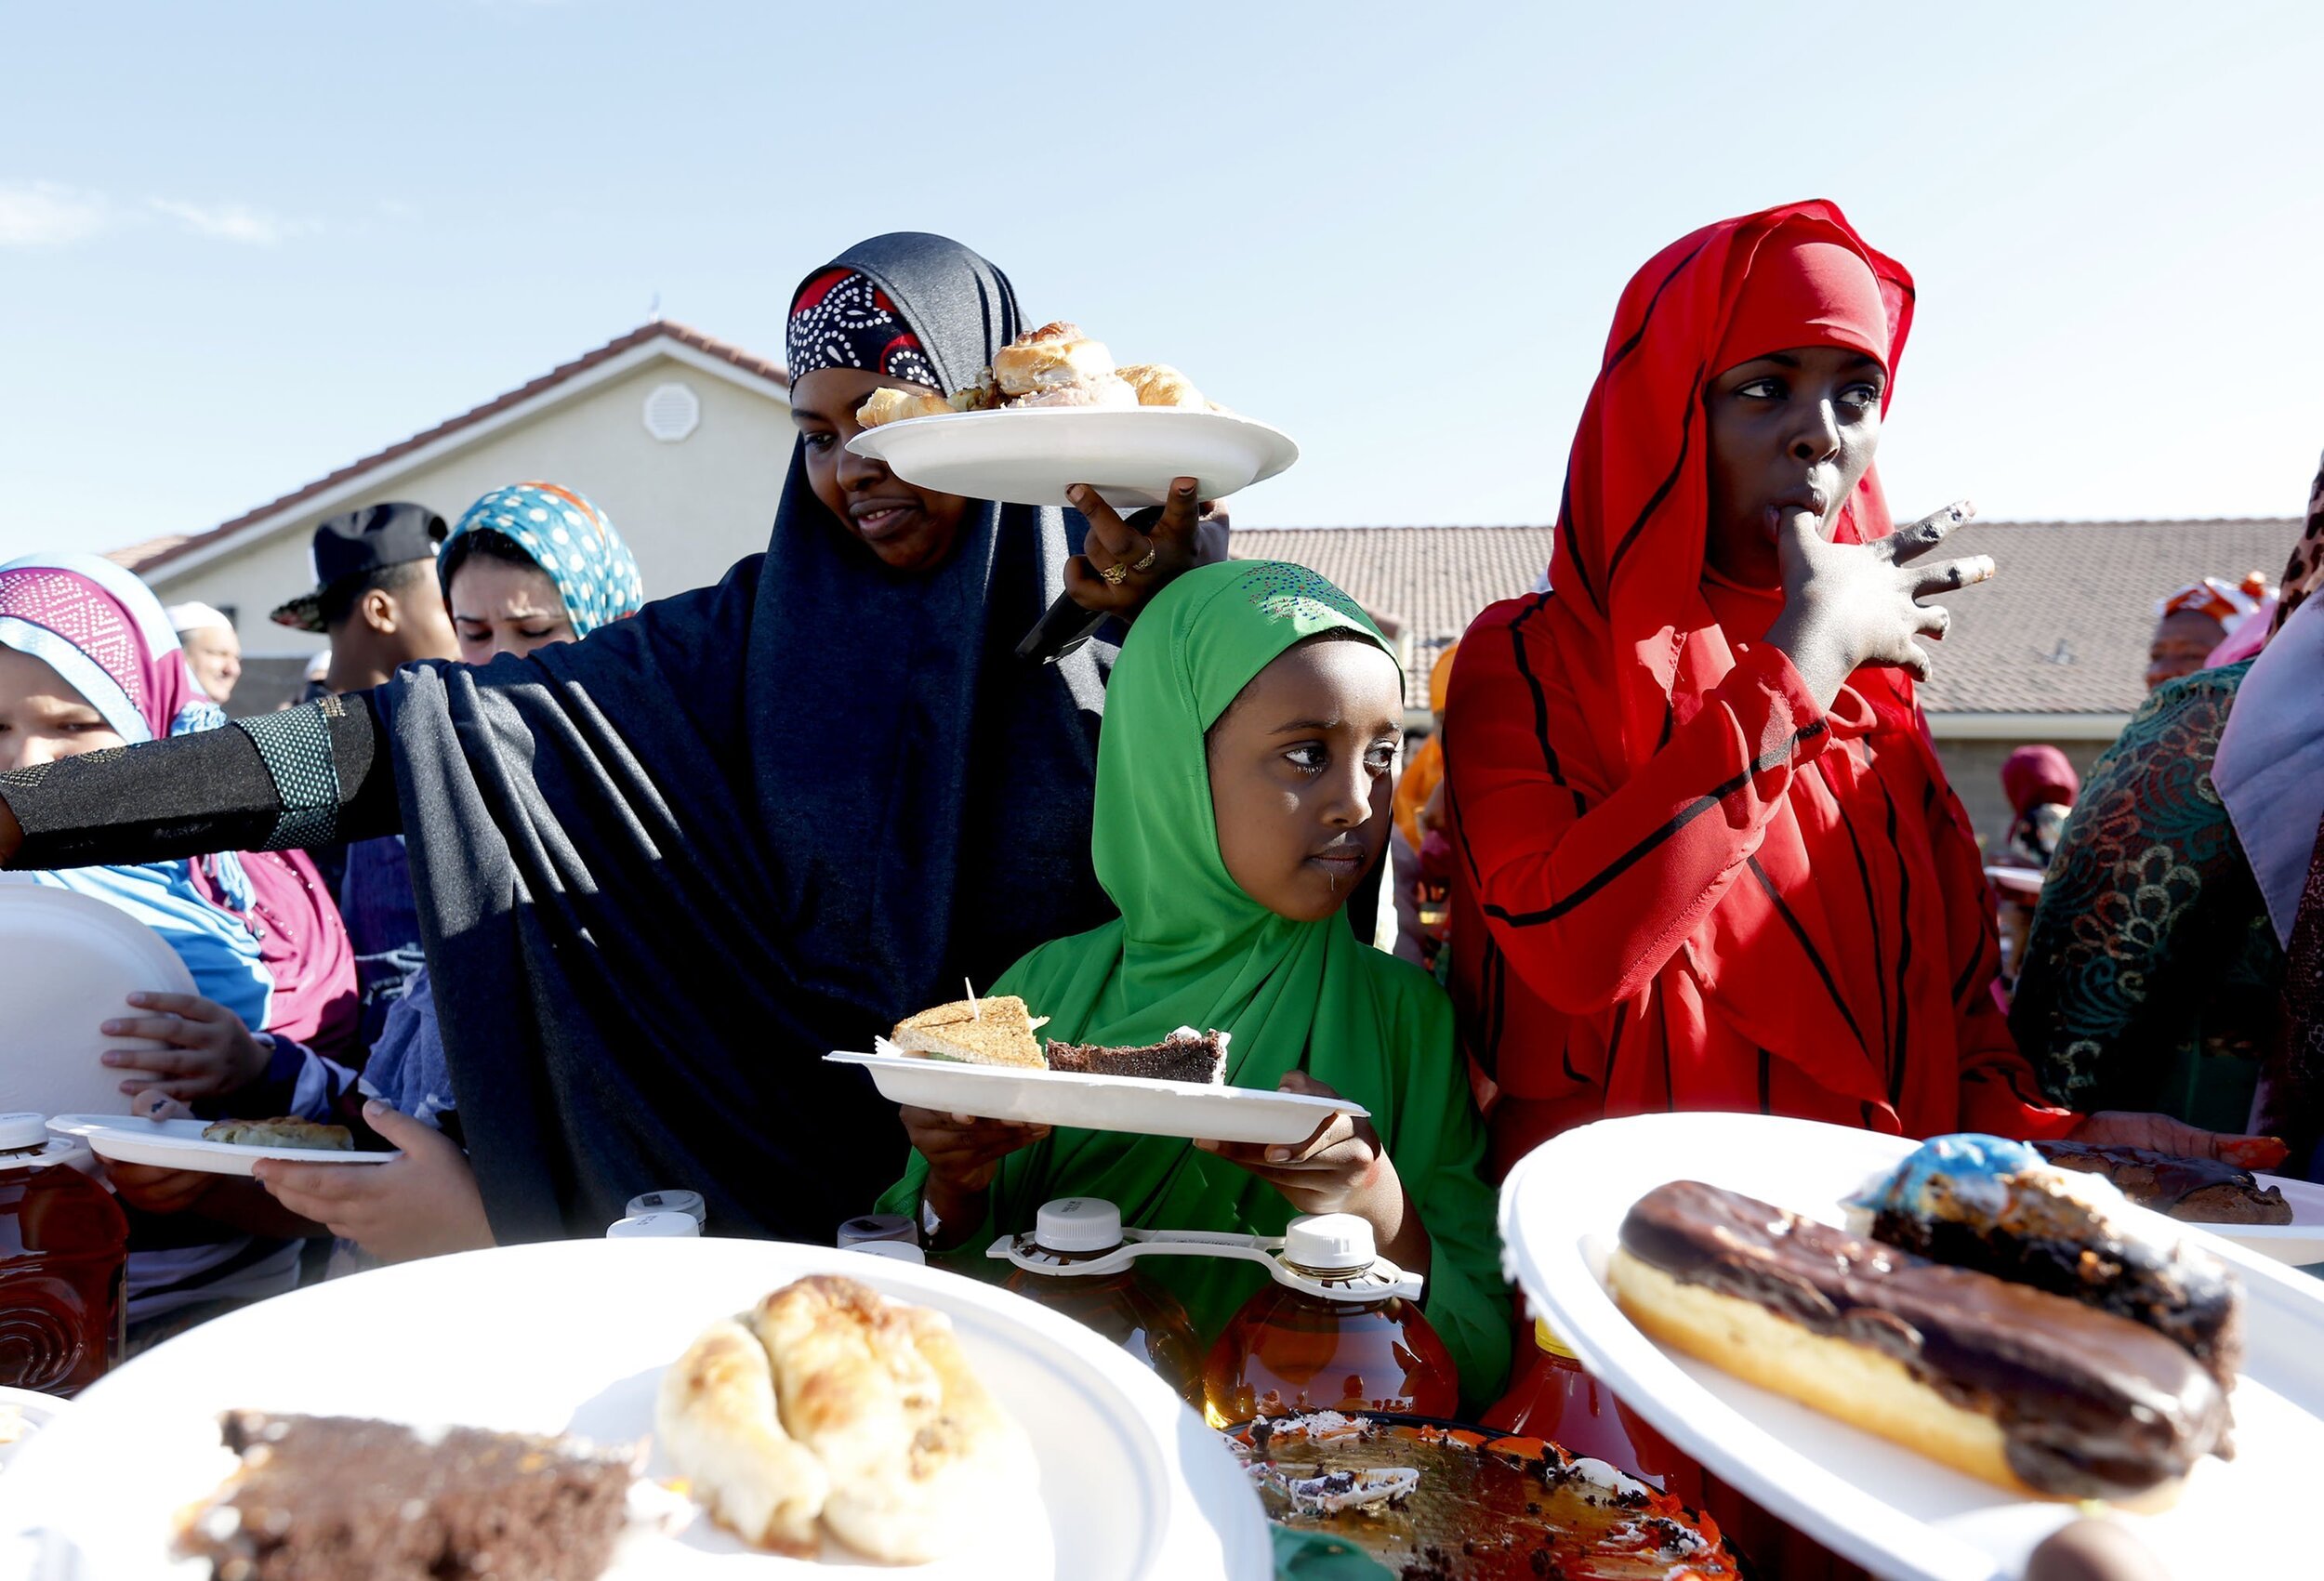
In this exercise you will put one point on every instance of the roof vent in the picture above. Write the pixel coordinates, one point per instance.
(672, 410)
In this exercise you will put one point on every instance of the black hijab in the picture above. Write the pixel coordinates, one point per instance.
(664, 870)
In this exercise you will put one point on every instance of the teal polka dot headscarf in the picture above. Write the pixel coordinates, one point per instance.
(567, 538)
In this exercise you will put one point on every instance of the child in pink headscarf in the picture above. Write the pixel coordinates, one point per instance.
(88, 661)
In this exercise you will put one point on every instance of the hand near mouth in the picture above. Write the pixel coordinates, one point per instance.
(1847, 605)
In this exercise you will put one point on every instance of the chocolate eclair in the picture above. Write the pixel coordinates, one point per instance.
(2031, 1391)
(1992, 1205)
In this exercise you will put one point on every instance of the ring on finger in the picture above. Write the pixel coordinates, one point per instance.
(1144, 562)
(1114, 575)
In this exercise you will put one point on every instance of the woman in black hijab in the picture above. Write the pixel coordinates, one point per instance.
(663, 870)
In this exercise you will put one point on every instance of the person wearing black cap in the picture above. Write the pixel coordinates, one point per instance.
(376, 595)
(378, 599)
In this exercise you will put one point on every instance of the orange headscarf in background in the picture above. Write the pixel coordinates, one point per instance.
(1426, 770)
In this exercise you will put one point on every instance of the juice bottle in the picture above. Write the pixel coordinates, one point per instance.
(1554, 1397)
(1128, 1308)
(1349, 1349)
(63, 1247)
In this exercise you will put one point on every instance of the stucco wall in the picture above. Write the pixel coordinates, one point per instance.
(688, 510)
(1974, 768)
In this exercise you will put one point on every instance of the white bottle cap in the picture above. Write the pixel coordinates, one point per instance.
(871, 1227)
(21, 1131)
(903, 1251)
(1329, 1243)
(687, 1202)
(653, 1226)
(1077, 1224)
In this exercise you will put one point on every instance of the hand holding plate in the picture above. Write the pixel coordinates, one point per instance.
(1125, 563)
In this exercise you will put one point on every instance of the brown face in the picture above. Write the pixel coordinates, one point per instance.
(43, 717)
(2183, 642)
(909, 528)
(1300, 776)
(499, 608)
(1791, 431)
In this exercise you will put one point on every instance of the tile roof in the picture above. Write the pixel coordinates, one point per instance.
(155, 552)
(1434, 580)
(2062, 628)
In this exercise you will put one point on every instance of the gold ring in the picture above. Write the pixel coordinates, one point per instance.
(1114, 575)
(1145, 562)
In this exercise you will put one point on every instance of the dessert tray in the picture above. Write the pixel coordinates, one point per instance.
(1879, 1505)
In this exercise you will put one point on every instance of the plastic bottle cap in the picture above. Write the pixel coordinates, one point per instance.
(872, 1227)
(1546, 1337)
(1329, 1243)
(653, 1226)
(687, 1203)
(903, 1251)
(21, 1131)
(1077, 1224)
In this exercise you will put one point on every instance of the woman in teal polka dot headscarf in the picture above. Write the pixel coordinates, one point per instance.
(530, 564)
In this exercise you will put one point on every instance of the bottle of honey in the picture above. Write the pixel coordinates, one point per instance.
(1557, 1399)
(1337, 1341)
(63, 1249)
(1125, 1307)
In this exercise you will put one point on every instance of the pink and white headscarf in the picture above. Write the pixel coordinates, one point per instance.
(104, 632)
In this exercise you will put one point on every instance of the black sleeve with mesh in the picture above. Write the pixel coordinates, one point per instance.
(312, 775)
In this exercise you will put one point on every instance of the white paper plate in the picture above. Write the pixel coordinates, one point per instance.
(25, 1413)
(1129, 455)
(1138, 1104)
(2299, 1243)
(68, 964)
(1887, 1508)
(571, 1337)
(178, 1144)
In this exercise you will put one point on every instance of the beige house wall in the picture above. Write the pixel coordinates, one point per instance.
(688, 510)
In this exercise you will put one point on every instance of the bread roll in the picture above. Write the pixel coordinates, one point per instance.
(716, 1416)
(1045, 358)
(892, 406)
(1103, 391)
(1158, 384)
(919, 1455)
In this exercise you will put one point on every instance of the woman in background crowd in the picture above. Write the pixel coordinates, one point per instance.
(2041, 785)
(2152, 976)
(88, 662)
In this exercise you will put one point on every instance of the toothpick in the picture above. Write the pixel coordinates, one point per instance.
(976, 1010)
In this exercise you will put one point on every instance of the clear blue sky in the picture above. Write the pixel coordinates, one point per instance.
(241, 244)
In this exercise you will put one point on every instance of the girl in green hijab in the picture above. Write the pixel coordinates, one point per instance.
(1242, 791)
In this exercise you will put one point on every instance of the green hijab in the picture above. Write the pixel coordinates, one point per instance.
(1192, 949)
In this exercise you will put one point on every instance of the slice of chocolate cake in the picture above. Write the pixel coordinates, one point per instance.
(1184, 1056)
(2198, 1190)
(359, 1500)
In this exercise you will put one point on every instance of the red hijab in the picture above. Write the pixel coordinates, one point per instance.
(1635, 514)
(1855, 949)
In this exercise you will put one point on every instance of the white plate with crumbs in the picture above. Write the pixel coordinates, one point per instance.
(2300, 1243)
(1031, 457)
(1141, 1105)
(179, 1145)
(1897, 1514)
(570, 1337)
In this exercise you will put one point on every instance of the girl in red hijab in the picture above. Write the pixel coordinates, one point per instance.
(1705, 849)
